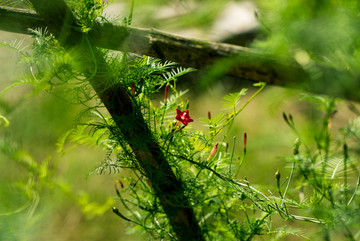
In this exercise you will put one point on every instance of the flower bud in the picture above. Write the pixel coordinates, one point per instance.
(277, 175)
(121, 183)
(296, 146)
(245, 141)
(213, 151)
(285, 117)
(117, 212)
(132, 89)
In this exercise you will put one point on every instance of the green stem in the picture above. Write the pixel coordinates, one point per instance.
(232, 153)
(290, 177)
(355, 191)
(346, 156)
(262, 86)
(131, 12)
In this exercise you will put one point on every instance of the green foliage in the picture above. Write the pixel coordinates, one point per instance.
(16, 3)
(87, 12)
(326, 178)
(200, 14)
(23, 194)
(186, 151)
(4, 121)
(321, 36)
(322, 187)
(233, 99)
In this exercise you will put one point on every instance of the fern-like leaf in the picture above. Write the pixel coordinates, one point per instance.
(15, 45)
(106, 167)
(176, 73)
(16, 3)
(231, 100)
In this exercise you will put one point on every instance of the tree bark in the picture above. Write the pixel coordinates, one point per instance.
(247, 63)
(128, 119)
(241, 62)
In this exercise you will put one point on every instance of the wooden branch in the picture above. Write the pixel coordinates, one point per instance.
(237, 61)
(187, 52)
(19, 20)
(168, 189)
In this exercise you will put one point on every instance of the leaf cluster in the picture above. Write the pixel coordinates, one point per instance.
(322, 186)
(322, 38)
(326, 177)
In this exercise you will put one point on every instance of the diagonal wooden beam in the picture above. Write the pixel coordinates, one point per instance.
(167, 187)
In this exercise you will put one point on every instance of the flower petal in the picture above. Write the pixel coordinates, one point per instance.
(183, 116)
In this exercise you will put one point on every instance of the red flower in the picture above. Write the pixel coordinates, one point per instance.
(183, 116)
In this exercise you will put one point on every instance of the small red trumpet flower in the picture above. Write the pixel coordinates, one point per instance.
(183, 117)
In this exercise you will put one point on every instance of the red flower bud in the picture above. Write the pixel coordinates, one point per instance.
(132, 88)
(245, 140)
(213, 151)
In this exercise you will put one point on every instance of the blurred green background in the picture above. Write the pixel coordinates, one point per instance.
(37, 122)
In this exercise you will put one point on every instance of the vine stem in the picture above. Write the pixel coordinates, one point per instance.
(253, 191)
